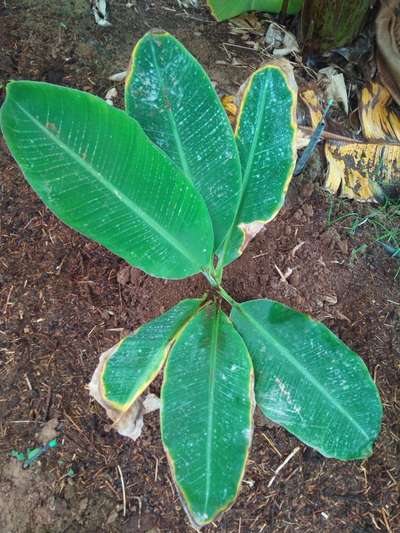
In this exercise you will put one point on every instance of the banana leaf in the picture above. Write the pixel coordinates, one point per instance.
(226, 9)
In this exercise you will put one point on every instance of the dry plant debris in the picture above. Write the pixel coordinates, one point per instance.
(361, 169)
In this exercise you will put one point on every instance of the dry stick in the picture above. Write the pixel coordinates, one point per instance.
(47, 406)
(386, 521)
(140, 510)
(21, 421)
(285, 462)
(28, 382)
(8, 300)
(260, 255)
(123, 489)
(156, 472)
(271, 443)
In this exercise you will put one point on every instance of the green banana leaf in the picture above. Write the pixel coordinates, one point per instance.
(206, 414)
(168, 92)
(266, 137)
(137, 359)
(96, 169)
(226, 9)
(309, 381)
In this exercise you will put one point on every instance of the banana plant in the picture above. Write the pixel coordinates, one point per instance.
(226, 9)
(327, 25)
(169, 187)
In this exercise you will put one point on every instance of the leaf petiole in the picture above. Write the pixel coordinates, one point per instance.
(211, 278)
(227, 297)
(215, 281)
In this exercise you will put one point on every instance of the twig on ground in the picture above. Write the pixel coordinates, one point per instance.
(282, 465)
(123, 489)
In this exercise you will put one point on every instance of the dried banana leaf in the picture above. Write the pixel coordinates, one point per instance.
(360, 170)
(313, 104)
(357, 170)
(378, 120)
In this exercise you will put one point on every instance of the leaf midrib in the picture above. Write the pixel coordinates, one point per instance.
(254, 145)
(246, 174)
(211, 401)
(172, 121)
(283, 351)
(110, 187)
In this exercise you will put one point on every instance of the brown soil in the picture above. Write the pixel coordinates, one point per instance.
(65, 299)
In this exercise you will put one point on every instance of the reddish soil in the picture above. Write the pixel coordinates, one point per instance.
(64, 300)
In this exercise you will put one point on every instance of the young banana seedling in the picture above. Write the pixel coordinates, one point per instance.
(169, 187)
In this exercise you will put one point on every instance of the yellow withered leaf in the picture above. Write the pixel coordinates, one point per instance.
(354, 168)
(378, 121)
(358, 169)
(230, 106)
(312, 102)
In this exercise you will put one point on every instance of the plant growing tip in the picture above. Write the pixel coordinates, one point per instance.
(169, 187)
